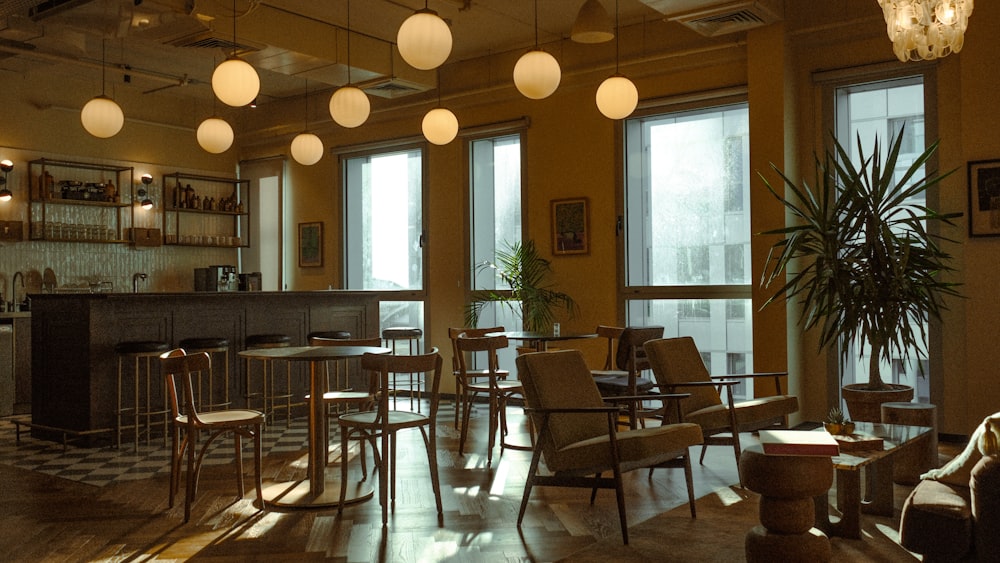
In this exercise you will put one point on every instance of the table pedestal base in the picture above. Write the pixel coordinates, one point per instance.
(298, 494)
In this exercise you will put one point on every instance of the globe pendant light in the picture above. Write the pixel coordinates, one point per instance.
(235, 82)
(617, 96)
(424, 40)
(5, 166)
(537, 73)
(215, 135)
(307, 149)
(349, 105)
(101, 116)
(440, 126)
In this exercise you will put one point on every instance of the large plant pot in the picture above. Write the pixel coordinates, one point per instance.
(865, 405)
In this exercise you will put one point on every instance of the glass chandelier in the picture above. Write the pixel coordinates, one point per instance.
(926, 29)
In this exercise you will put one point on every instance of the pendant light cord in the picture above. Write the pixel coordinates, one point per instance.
(618, 34)
(536, 24)
(348, 42)
(234, 28)
(104, 44)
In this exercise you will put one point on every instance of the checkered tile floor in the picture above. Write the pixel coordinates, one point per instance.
(100, 466)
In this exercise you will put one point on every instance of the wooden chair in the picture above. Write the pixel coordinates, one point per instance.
(496, 389)
(383, 423)
(630, 359)
(177, 367)
(677, 366)
(578, 436)
(470, 374)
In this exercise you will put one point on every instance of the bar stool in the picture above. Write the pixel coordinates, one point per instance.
(267, 394)
(210, 345)
(411, 336)
(138, 352)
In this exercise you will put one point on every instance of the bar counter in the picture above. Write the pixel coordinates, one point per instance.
(73, 337)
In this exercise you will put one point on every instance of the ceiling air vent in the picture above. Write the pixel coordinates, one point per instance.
(393, 87)
(730, 17)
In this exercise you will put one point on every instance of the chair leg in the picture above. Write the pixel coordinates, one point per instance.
(494, 422)
(737, 450)
(431, 444)
(344, 439)
(466, 412)
(536, 456)
(690, 482)
(257, 463)
(175, 465)
(383, 481)
(192, 475)
(704, 447)
(392, 471)
(237, 443)
(620, 496)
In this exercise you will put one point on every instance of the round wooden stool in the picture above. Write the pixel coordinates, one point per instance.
(920, 456)
(787, 485)
(211, 346)
(141, 354)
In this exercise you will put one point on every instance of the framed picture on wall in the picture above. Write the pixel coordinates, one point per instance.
(570, 226)
(310, 244)
(984, 198)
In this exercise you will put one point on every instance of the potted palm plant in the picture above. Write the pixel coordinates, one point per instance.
(521, 268)
(861, 261)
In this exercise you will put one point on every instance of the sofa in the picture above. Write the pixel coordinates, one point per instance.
(953, 514)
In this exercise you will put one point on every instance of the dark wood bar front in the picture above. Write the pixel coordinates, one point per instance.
(73, 338)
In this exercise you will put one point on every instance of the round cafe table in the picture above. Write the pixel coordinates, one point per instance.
(540, 340)
(316, 490)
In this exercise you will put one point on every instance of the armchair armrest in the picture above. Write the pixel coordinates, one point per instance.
(607, 409)
(650, 397)
(777, 375)
(714, 383)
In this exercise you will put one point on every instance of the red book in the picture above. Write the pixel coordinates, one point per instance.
(798, 442)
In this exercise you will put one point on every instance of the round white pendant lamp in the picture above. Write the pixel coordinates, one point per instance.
(349, 106)
(215, 135)
(440, 126)
(424, 40)
(617, 97)
(235, 82)
(537, 74)
(307, 149)
(102, 117)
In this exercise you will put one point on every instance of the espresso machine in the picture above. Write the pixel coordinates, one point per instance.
(216, 278)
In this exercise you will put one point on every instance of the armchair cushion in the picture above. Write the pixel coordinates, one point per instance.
(936, 521)
(748, 413)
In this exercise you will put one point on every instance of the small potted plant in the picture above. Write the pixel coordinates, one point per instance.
(837, 424)
(531, 296)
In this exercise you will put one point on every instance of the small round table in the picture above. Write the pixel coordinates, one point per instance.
(315, 491)
(540, 340)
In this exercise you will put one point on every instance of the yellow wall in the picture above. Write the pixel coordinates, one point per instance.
(572, 151)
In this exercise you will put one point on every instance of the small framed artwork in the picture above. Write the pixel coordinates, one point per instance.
(984, 198)
(310, 245)
(570, 226)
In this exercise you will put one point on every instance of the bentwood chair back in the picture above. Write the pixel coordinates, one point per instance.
(384, 422)
(187, 425)
(496, 389)
(470, 374)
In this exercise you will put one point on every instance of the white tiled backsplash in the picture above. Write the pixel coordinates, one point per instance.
(79, 264)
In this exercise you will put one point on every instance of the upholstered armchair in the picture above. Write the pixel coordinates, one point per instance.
(578, 436)
(678, 367)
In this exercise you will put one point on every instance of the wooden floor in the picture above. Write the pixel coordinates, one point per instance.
(46, 518)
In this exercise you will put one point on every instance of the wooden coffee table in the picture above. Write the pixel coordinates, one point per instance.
(878, 476)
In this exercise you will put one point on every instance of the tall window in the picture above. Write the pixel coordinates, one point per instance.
(495, 216)
(687, 230)
(884, 108)
(383, 231)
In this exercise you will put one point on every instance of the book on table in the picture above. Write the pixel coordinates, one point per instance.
(798, 442)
